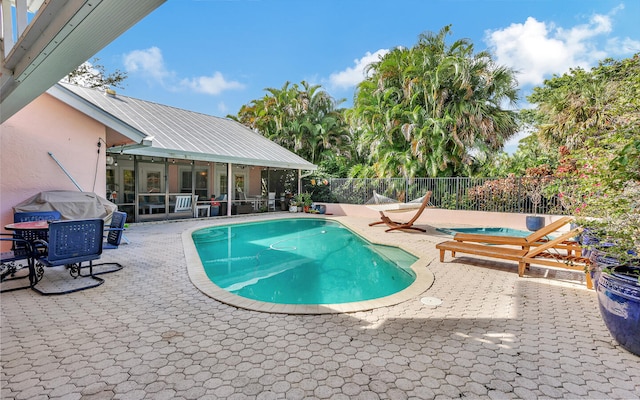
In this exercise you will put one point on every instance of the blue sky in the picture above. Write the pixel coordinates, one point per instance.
(213, 56)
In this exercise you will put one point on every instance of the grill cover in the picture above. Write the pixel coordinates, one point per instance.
(70, 204)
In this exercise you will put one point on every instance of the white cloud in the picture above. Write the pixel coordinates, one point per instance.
(623, 46)
(147, 62)
(150, 64)
(539, 49)
(222, 108)
(351, 76)
(213, 85)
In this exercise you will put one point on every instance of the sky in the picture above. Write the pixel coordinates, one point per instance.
(214, 56)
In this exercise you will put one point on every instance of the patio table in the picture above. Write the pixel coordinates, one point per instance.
(28, 226)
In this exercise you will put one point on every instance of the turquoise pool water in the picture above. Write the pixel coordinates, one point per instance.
(486, 231)
(301, 261)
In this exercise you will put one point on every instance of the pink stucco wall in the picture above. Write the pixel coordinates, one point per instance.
(48, 125)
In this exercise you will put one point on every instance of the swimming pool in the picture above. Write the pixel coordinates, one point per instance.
(371, 238)
(301, 261)
(485, 231)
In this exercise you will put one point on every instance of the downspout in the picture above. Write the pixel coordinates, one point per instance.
(300, 176)
(65, 171)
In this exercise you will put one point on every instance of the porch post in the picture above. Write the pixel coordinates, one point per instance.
(230, 189)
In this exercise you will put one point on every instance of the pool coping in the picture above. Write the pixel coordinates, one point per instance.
(198, 276)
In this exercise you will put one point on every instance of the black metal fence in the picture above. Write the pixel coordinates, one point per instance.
(544, 195)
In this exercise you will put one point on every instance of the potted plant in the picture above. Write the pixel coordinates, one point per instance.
(305, 199)
(534, 182)
(608, 186)
(293, 204)
(298, 201)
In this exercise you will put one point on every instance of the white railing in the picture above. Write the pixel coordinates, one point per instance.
(16, 16)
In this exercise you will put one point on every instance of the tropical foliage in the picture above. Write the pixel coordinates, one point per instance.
(593, 117)
(93, 75)
(302, 118)
(432, 109)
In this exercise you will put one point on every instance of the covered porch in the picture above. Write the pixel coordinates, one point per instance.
(166, 163)
(160, 188)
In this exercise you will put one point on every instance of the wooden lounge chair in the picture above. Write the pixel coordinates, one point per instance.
(534, 239)
(548, 253)
(394, 225)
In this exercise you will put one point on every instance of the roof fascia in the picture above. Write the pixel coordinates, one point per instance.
(182, 155)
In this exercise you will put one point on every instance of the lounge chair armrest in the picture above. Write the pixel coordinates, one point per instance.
(553, 243)
(492, 239)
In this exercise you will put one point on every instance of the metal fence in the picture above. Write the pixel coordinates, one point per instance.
(513, 194)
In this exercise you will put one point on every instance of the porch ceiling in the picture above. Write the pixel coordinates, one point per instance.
(61, 36)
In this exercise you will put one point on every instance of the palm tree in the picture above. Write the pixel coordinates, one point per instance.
(435, 102)
(302, 118)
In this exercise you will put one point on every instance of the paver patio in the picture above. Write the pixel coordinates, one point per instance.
(149, 333)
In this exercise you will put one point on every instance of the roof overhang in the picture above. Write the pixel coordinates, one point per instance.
(144, 149)
(61, 36)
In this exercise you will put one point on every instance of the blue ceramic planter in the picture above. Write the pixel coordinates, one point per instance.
(619, 301)
(534, 222)
(600, 259)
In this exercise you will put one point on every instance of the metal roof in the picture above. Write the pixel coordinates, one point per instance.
(176, 133)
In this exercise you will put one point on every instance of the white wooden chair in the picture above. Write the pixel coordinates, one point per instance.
(271, 202)
(183, 203)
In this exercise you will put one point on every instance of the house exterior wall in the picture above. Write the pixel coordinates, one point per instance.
(48, 125)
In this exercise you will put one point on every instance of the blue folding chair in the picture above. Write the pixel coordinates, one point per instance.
(72, 243)
(115, 230)
(28, 216)
(115, 233)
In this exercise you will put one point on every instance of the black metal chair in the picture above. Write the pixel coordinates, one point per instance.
(72, 243)
(11, 262)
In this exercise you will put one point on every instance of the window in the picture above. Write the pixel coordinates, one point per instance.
(129, 182)
(202, 181)
(152, 178)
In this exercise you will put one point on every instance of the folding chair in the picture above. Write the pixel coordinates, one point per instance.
(72, 243)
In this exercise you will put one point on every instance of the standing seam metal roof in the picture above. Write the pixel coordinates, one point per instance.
(191, 134)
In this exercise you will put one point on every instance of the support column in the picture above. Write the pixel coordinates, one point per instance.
(231, 192)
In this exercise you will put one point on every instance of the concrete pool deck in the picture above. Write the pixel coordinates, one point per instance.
(149, 333)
